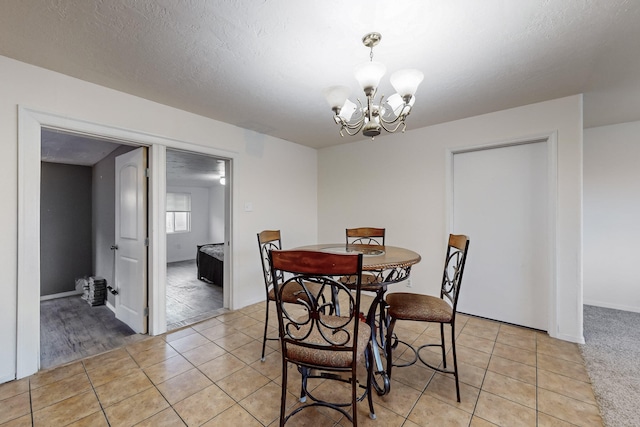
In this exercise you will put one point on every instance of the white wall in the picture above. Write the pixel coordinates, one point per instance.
(278, 201)
(399, 182)
(216, 214)
(611, 216)
(182, 246)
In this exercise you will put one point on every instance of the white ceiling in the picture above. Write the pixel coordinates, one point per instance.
(184, 169)
(193, 170)
(262, 65)
(73, 149)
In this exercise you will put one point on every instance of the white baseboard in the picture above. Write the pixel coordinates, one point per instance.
(613, 306)
(570, 338)
(7, 378)
(60, 295)
(109, 306)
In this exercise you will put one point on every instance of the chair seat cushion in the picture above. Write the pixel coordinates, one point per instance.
(328, 358)
(424, 308)
(293, 292)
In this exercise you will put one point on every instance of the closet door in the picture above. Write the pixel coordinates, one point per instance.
(500, 200)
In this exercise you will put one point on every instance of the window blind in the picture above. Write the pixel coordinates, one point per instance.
(178, 202)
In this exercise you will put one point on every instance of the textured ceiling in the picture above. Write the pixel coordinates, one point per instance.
(262, 65)
(183, 169)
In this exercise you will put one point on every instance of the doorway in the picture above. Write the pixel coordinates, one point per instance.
(196, 217)
(26, 358)
(77, 228)
(501, 200)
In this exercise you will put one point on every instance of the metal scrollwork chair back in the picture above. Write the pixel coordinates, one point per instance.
(366, 236)
(320, 342)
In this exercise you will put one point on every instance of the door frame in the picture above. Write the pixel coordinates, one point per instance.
(551, 140)
(30, 124)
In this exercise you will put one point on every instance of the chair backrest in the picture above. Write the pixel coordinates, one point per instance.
(267, 241)
(454, 268)
(365, 236)
(310, 322)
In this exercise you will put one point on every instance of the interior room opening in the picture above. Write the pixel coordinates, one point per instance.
(195, 227)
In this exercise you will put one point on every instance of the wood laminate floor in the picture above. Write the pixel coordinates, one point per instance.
(71, 329)
(190, 300)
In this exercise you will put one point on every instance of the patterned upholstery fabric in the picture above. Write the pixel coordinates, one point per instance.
(426, 308)
(338, 359)
(292, 294)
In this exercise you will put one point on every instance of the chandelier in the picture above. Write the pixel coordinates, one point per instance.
(370, 118)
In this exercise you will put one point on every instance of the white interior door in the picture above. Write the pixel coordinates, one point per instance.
(500, 200)
(131, 233)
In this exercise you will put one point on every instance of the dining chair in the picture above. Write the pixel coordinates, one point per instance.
(365, 236)
(268, 240)
(427, 308)
(313, 337)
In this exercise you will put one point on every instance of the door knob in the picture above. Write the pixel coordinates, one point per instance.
(114, 247)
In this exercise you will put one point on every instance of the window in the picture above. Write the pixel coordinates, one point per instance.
(178, 212)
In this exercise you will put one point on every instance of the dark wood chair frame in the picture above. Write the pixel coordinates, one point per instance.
(365, 236)
(268, 240)
(455, 261)
(319, 342)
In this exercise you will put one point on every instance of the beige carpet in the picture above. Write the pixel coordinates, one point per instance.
(612, 357)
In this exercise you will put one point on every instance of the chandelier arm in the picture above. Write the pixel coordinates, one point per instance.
(352, 127)
(362, 112)
(384, 126)
(400, 117)
(354, 124)
(351, 131)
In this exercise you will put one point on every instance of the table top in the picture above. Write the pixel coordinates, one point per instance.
(374, 257)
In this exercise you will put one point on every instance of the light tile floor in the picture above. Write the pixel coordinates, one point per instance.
(210, 374)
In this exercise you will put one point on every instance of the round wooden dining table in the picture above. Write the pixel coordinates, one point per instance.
(386, 265)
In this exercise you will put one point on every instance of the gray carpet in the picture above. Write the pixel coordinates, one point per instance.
(612, 355)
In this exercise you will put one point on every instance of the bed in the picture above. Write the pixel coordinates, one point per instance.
(210, 263)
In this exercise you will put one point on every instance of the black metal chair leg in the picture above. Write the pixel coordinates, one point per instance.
(388, 346)
(455, 359)
(266, 325)
(444, 352)
(303, 386)
(370, 364)
(283, 398)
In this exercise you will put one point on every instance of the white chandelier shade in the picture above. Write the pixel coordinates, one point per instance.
(371, 117)
(406, 82)
(368, 74)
